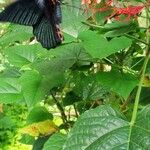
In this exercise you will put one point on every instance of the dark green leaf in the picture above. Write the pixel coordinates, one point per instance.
(38, 114)
(39, 143)
(121, 83)
(55, 142)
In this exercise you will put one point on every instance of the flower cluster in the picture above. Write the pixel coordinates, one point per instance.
(108, 2)
(128, 12)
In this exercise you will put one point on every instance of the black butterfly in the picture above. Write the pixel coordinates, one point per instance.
(44, 15)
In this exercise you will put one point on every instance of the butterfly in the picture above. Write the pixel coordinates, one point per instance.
(43, 15)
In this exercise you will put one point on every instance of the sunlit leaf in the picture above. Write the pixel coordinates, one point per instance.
(40, 128)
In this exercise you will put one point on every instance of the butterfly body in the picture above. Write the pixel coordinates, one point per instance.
(43, 15)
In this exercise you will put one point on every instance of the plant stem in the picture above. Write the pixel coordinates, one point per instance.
(147, 57)
(93, 25)
(63, 115)
(137, 98)
(139, 40)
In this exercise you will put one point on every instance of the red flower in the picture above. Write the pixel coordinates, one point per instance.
(130, 11)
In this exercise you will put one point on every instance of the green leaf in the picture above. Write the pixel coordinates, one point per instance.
(16, 33)
(55, 142)
(63, 58)
(27, 139)
(96, 129)
(38, 114)
(105, 129)
(10, 72)
(121, 83)
(10, 90)
(101, 17)
(6, 123)
(119, 28)
(140, 132)
(34, 87)
(87, 88)
(70, 98)
(39, 143)
(23, 54)
(99, 47)
(72, 18)
(145, 96)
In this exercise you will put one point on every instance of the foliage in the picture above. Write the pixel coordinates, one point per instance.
(91, 92)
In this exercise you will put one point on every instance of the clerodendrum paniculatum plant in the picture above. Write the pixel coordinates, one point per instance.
(93, 91)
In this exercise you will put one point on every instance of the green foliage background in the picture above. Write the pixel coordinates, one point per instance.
(89, 86)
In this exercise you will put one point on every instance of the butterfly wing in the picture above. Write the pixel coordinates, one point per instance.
(45, 20)
(47, 30)
(24, 12)
(47, 33)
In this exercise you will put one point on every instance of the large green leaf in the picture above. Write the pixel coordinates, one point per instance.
(10, 90)
(34, 87)
(121, 83)
(105, 129)
(55, 142)
(63, 58)
(99, 47)
(23, 54)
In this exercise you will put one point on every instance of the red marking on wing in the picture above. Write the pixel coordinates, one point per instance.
(59, 32)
